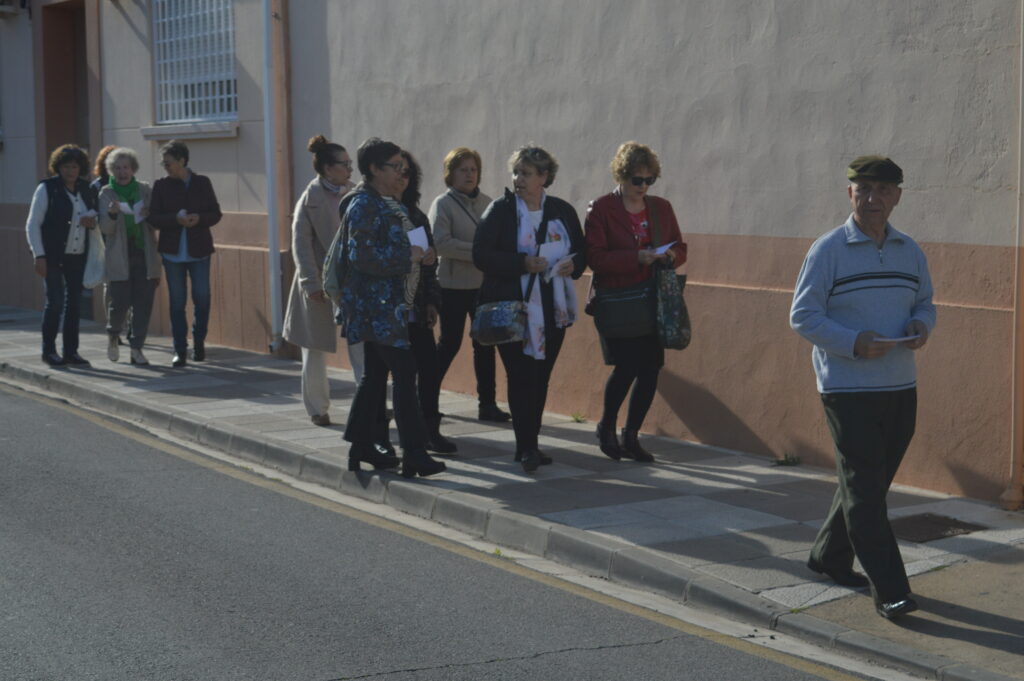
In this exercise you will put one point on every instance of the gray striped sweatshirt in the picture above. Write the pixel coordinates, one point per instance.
(849, 284)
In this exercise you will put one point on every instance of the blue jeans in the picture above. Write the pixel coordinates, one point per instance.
(63, 288)
(177, 293)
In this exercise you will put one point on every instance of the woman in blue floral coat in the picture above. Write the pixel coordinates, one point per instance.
(379, 272)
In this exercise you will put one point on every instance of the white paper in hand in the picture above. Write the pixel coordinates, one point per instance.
(661, 250)
(418, 237)
(125, 208)
(137, 211)
(550, 274)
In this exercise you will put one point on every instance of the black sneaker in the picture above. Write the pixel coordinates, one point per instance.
(53, 359)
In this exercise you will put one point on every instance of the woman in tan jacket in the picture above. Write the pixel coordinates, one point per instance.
(309, 321)
(131, 256)
(455, 215)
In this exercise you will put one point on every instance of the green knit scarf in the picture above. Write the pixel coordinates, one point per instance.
(129, 193)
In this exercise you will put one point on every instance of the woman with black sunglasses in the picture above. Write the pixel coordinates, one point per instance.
(623, 232)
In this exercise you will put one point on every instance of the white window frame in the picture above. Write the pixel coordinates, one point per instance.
(194, 61)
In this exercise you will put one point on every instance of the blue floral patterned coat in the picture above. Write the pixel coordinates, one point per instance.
(375, 260)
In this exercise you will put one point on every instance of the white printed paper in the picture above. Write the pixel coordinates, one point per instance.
(418, 237)
(901, 339)
(125, 208)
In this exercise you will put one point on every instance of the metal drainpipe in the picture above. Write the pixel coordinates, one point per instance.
(1013, 497)
(269, 148)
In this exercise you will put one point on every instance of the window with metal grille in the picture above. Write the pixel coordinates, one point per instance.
(194, 60)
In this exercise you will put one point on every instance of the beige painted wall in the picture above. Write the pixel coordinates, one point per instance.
(17, 110)
(755, 108)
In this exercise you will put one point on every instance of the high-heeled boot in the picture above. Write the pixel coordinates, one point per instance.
(631, 447)
(435, 441)
(545, 460)
(609, 443)
(359, 452)
(418, 462)
(383, 441)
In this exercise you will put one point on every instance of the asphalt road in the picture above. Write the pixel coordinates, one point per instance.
(122, 560)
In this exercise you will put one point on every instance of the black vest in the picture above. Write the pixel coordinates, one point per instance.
(59, 211)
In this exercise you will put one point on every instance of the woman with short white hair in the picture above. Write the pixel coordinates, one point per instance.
(132, 259)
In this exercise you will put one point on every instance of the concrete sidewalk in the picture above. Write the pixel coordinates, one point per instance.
(717, 529)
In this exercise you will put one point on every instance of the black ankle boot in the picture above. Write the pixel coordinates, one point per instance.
(435, 441)
(545, 460)
(609, 443)
(359, 452)
(531, 460)
(631, 447)
(418, 462)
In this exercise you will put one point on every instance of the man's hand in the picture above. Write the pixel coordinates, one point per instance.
(416, 254)
(40, 267)
(865, 346)
(88, 222)
(916, 328)
(429, 257)
(192, 219)
(431, 316)
(318, 296)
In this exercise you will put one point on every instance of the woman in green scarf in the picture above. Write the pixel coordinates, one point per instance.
(132, 261)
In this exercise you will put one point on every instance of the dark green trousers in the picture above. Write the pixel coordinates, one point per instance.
(871, 431)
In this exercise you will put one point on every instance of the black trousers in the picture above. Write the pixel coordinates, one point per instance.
(456, 305)
(428, 376)
(871, 431)
(63, 288)
(363, 418)
(528, 386)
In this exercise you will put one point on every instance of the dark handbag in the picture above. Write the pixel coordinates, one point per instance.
(672, 317)
(504, 321)
(627, 312)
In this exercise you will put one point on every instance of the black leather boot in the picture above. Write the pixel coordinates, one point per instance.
(418, 462)
(609, 443)
(631, 448)
(359, 452)
(545, 460)
(531, 460)
(435, 441)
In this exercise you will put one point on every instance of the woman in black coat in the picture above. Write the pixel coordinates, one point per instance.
(529, 247)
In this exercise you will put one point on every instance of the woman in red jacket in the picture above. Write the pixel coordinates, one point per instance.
(623, 229)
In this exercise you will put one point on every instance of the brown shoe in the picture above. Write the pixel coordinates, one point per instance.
(320, 420)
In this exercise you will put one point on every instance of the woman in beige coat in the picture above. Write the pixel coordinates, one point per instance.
(132, 260)
(309, 321)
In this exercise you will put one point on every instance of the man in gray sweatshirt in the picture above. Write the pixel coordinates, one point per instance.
(864, 299)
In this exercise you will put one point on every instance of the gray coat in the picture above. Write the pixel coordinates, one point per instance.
(115, 235)
(308, 323)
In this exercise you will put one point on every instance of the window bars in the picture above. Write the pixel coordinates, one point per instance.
(194, 60)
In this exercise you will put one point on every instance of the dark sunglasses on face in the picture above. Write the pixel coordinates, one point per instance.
(636, 180)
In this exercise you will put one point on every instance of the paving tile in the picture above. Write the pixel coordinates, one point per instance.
(727, 548)
(599, 517)
(758, 574)
(710, 517)
(647, 534)
(781, 500)
(801, 596)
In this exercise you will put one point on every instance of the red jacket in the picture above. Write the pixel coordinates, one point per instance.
(611, 248)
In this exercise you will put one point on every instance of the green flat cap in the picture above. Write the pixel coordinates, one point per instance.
(879, 168)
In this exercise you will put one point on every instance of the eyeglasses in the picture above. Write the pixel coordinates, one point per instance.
(636, 180)
(347, 164)
(399, 168)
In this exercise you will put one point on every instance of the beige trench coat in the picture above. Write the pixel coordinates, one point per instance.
(308, 323)
(115, 236)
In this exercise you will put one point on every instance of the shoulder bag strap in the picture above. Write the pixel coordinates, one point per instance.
(464, 209)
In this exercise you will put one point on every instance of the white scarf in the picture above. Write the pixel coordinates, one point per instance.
(564, 293)
(412, 280)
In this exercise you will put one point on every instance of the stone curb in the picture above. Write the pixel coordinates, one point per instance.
(593, 554)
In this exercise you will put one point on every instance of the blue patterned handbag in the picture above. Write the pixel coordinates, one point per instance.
(500, 322)
(673, 319)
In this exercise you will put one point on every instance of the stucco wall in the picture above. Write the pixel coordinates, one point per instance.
(17, 110)
(755, 109)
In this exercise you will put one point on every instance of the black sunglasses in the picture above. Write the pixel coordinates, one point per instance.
(637, 180)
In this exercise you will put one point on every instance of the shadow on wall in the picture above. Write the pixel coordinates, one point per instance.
(706, 417)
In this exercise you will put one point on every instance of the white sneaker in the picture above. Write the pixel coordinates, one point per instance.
(138, 357)
(113, 351)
